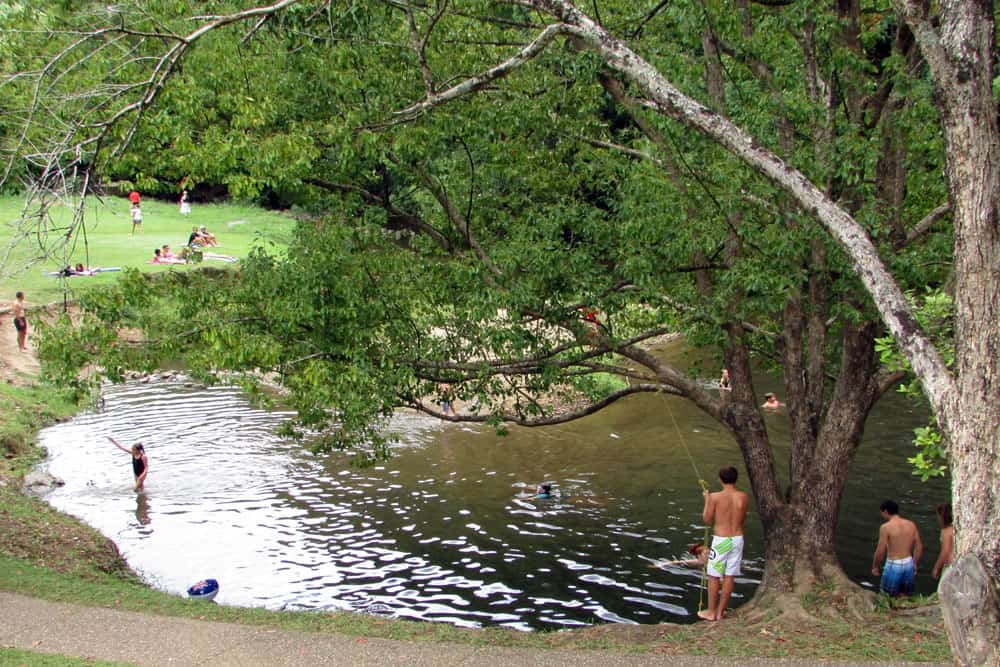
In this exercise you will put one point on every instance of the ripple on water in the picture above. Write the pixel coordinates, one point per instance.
(438, 533)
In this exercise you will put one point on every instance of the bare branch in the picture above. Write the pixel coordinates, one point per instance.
(560, 418)
(924, 226)
(479, 82)
(597, 143)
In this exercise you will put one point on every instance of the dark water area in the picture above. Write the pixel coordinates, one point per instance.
(447, 530)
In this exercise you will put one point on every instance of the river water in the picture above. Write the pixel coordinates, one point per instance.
(447, 529)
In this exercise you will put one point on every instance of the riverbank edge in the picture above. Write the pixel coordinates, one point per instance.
(59, 558)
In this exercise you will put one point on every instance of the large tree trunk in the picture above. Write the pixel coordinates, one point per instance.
(960, 54)
(800, 533)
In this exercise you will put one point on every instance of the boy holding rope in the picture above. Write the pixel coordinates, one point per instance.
(727, 509)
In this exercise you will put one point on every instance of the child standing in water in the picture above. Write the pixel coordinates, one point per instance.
(140, 465)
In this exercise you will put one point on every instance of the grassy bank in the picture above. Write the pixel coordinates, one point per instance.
(110, 244)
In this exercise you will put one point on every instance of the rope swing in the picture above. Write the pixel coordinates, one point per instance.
(704, 488)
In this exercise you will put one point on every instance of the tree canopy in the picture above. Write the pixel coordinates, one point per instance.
(478, 177)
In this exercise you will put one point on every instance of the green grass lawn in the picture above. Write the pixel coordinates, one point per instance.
(109, 242)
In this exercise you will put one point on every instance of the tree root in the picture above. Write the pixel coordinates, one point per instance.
(811, 598)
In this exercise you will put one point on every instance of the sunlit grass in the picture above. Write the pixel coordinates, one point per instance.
(109, 243)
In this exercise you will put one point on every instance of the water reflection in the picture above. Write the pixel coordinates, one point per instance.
(448, 530)
(142, 509)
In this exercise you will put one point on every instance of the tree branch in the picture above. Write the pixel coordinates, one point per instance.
(924, 226)
(551, 420)
(411, 221)
(453, 214)
(476, 83)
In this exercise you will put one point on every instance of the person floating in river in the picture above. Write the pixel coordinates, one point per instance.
(140, 465)
(700, 553)
(727, 510)
(771, 402)
(544, 491)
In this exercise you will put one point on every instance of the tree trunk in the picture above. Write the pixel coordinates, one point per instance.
(960, 55)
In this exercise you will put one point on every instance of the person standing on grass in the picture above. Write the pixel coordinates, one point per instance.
(185, 203)
(136, 218)
(727, 511)
(899, 544)
(20, 322)
(140, 465)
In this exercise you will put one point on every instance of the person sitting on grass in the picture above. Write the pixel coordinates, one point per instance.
(158, 258)
(195, 239)
(208, 236)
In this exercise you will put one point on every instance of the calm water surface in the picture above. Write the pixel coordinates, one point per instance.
(446, 530)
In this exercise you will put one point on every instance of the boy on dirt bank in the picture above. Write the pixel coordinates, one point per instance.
(20, 321)
(727, 509)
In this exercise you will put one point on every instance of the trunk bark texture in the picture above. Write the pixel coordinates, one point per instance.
(960, 54)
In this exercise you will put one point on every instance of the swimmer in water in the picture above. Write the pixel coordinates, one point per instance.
(699, 552)
(140, 465)
(543, 491)
(771, 402)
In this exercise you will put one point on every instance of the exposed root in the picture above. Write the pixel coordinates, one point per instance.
(777, 608)
(811, 597)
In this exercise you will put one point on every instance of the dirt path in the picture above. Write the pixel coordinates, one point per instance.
(143, 639)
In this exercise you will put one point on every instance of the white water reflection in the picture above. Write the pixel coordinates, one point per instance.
(434, 534)
(448, 529)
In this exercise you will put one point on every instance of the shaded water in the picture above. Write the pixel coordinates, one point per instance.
(446, 530)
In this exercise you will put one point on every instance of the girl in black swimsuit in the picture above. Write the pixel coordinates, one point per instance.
(140, 465)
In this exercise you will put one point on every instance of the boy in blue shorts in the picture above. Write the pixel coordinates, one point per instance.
(899, 544)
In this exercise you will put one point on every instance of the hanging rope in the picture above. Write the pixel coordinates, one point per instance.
(704, 488)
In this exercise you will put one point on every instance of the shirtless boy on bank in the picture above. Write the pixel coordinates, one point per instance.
(20, 321)
(727, 509)
(899, 543)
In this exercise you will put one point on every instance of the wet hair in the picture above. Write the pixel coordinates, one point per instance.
(728, 475)
(944, 513)
(544, 489)
(696, 549)
(889, 507)
(137, 448)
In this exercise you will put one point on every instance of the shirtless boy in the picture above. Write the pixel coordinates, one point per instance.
(727, 509)
(899, 544)
(20, 321)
